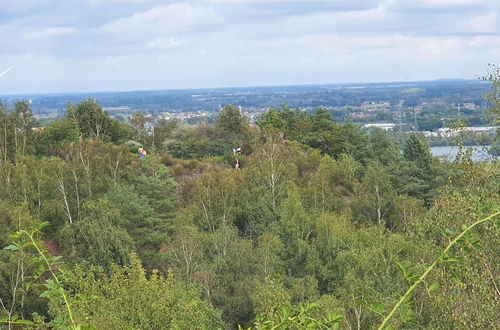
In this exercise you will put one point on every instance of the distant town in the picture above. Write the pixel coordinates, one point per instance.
(438, 109)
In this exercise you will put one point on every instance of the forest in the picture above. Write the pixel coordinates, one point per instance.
(312, 225)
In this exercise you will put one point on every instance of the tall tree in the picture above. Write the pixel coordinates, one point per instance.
(232, 121)
(417, 150)
(90, 118)
(375, 195)
(271, 119)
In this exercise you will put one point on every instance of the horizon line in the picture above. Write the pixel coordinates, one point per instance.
(242, 87)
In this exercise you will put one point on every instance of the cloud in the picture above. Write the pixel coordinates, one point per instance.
(102, 2)
(439, 5)
(52, 32)
(135, 44)
(486, 23)
(23, 7)
(164, 43)
(175, 17)
(345, 20)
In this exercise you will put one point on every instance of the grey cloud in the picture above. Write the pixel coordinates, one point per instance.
(135, 44)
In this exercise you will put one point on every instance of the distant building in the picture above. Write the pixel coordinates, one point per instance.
(469, 106)
(446, 131)
(430, 134)
(116, 109)
(384, 126)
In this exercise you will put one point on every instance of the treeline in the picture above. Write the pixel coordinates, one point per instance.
(306, 96)
(324, 225)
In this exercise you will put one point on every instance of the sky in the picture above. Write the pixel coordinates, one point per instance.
(118, 45)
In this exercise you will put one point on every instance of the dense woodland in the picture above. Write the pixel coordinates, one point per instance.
(324, 226)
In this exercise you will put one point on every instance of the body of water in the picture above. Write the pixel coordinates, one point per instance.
(449, 153)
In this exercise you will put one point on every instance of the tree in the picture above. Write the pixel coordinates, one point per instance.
(18, 273)
(214, 198)
(406, 213)
(271, 119)
(128, 297)
(153, 181)
(232, 121)
(91, 120)
(16, 131)
(148, 230)
(269, 170)
(295, 229)
(186, 250)
(163, 130)
(384, 147)
(97, 238)
(417, 150)
(322, 134)
(331, 184)
(269, 299)
(56, 134)
(23, 120)
(416, 175)
(198, 141)
(355, 142)
(138, 122)
(268, 254)
(375, 195)
(493, 96)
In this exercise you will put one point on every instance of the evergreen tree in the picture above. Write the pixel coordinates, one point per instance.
(417, 150)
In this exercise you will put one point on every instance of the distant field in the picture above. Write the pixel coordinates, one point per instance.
(253, 98)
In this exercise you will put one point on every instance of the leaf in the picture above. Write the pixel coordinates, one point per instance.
(433, 287)
(11, 247)
(409, 275)
(15, 321)
(46, 294)
(42, 225)
(450, 259)
(334, 318)
(374, 307)
(449, 232)
(59, 320)
(447, 258)
(406, 313)
(401, 268)
(467, 250)
(456, 278)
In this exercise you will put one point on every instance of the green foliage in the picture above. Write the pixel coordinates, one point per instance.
(417, 150)
(269, 299)
(271, 119)
(97, 238)
(493, 96)
(153, 182)
(56, 134)
(93, 123)
(17, 134)
(232, 121)
(40, 263)
(143, 225)
(128, 298)
(198, 141)
(330, 220)
(300, 318)
(415, 279)
(376, 195)
(295, 229)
